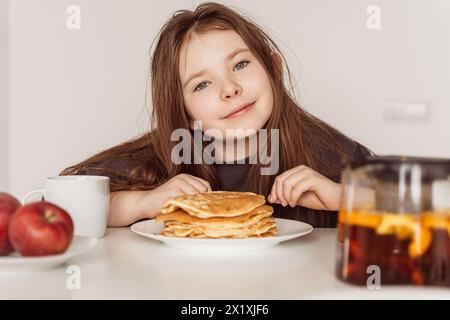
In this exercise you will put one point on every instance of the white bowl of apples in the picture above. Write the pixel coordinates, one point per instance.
(38, 235)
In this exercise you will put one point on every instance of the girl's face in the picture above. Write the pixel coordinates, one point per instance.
(223, 83)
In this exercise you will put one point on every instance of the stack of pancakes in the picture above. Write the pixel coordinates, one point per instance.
(218, 214)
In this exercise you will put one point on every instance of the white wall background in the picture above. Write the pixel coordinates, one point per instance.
(4, 91)
(73, 93)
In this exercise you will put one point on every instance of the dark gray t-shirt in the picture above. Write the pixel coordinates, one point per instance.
(232, 176)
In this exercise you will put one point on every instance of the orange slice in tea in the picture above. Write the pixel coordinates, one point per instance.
(421, 242)
(361, 219)
(402, 226)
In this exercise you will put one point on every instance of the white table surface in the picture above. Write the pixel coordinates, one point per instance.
(125, 265)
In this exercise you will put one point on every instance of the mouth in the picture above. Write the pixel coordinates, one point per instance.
(241, 110)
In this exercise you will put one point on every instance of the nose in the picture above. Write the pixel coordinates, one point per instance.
(230, 89)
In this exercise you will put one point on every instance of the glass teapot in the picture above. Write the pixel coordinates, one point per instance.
(395, 219)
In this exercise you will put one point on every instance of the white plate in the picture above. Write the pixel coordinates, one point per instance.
(79, 245)
(288, 229)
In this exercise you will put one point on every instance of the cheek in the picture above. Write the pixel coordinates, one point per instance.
(268, 94)
(258, 83)
(264, 83)
(202, 107)
(262, 86)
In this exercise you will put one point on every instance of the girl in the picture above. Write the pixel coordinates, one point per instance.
(207, 65)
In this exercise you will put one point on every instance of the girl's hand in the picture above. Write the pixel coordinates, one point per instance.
(305, 187)
(178, 185)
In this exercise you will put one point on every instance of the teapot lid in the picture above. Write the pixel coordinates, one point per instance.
(393, 162)
(394, 178)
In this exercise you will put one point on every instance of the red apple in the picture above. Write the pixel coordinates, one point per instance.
(8, 205)
(40, 228)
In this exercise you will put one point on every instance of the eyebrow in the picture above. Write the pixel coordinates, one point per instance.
(228, 57)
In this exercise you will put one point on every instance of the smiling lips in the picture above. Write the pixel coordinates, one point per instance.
(240, 111)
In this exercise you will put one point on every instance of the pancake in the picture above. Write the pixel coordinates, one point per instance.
(251, 217)
(263, 228)
(218, 214)
(215, 204)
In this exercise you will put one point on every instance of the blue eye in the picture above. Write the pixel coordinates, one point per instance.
(200, 86)
(241, 65)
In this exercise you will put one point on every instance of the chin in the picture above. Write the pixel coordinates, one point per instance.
(247, 122)
(242, 130)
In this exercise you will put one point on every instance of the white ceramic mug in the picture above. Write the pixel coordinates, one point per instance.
(85, 198)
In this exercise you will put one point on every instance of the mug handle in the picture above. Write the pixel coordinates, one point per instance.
(24, 199)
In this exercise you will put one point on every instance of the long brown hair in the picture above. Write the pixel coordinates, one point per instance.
(149, 156)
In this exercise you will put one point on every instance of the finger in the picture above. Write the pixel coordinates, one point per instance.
(288, 184)
(189, 179)
(187, 188)
(289, 172)
(279, 191)
(197, 184)
(204, 182)
(301, 188)
(285, 190)
(305, 170)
